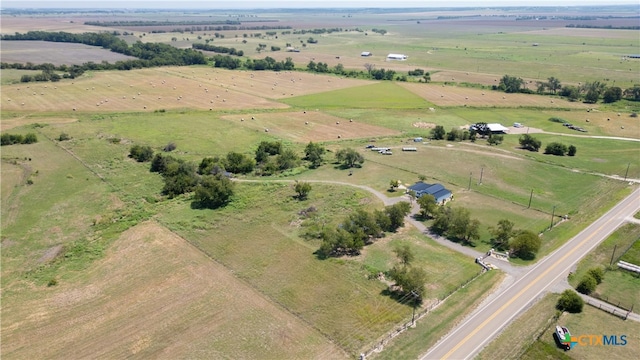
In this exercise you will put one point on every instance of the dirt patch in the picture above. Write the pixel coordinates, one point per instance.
(50, 254)
(424, 125)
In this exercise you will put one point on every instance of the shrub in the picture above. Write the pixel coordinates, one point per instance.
(141, 153)
(30, 138)
(570, 301)
(64, 137)
(597, 273)
(555, 148)
(530, 143)
(572, 150)
(169, 147)
(587, 285)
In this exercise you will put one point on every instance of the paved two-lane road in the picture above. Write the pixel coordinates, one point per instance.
(468, 338)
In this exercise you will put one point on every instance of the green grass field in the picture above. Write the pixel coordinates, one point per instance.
(531, 335)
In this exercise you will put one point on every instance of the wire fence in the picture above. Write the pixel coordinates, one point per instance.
(616, 311)
(381, 342)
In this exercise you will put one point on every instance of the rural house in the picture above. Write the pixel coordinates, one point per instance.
(438, 191)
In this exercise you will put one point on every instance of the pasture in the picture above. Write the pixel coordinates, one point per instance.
(40, 52)
(305, 126)
(442, 95)
(148, 90)
(170, 301)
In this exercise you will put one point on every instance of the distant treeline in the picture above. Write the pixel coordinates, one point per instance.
(147, 54)
(583, 26)
(317, 31)
(268, 63)
(218, 49)
(160, 23)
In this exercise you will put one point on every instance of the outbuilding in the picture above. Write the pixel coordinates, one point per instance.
(400, 57)
(366, 53)
(496, 128)
(438, 191)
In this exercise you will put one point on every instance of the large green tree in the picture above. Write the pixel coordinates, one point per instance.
(239, 163)
(349, 157)
(511, 84)
(502, 234)
(554, 84)
(530, 143)
(438, 132)
(314, 154)
(428, 205)
(570, 301)
(396, 214)
(410, 280)
(612, 94)
(525, 244)
(213, 191)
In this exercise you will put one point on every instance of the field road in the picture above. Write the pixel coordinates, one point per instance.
(468, 338)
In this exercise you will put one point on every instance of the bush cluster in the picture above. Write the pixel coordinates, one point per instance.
(361, 228)
(12, 139)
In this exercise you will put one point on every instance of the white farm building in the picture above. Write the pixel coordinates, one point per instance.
(397, 57)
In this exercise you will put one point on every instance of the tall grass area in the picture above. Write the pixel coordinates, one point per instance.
(621, 240)
(59, 216)
(618, 286)
(257, 237)
(436, 324)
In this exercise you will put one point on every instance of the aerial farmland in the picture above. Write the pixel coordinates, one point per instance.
(161, 201)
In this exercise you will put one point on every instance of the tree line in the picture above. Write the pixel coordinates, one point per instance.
(147, 54)
(218, 49)
(12, 139)
(361, 228)
(181, 177)
(589, 92)
(457, 225)
(268, 63)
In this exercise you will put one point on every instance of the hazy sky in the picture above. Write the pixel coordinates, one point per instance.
(248, 4)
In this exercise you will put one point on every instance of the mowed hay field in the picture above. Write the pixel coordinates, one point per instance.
(155, 296)
(305, 126)
(40, 52)
(168, 88)
(447, 95)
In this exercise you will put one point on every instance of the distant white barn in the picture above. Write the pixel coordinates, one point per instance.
(497, 128)
(397, 57)
(366, 53)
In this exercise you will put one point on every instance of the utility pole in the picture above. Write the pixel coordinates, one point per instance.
(613, 254)
(553, 213)
(627, 172)
(470, 174)
(530, 197)
(481, 173)
(415, 302)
